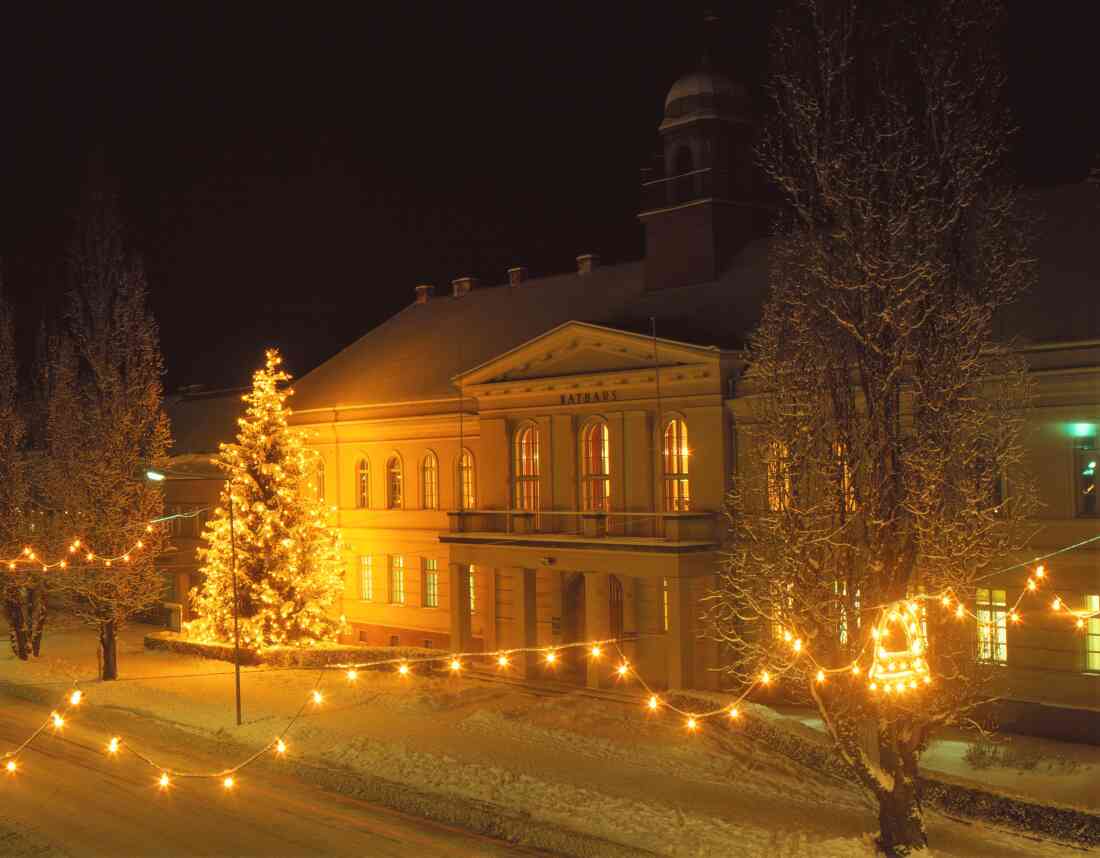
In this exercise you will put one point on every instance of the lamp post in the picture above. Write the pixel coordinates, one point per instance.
(161, 476)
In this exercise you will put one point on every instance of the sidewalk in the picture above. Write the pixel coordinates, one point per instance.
(596, 767)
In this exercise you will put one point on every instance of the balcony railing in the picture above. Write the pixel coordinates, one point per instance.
(518, 523)
(684, 188)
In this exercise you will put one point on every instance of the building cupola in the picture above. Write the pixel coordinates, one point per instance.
(698, 209)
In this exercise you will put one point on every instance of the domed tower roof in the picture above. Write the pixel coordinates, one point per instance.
(704, 93)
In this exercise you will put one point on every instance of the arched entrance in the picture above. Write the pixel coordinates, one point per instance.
(574, 659)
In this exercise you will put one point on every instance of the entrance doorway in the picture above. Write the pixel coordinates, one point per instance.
(574, 659)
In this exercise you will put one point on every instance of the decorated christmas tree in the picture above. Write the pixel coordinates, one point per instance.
(287, 556)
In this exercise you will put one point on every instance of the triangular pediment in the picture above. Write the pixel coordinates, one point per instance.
(579, 348)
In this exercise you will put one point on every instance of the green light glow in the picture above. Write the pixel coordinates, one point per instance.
(1082, 430)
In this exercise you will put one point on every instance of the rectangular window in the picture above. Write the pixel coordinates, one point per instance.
(395, 640)
(1085, 476)
(366, 578)
(427, 643)
(992, 626)
(471, 578)
(1092, 633)
(397, 579)
(429, 587)
(664, 604)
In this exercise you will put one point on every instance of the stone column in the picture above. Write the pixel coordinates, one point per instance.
(596, 624)
(680, 637)
(524, 631)
(489, 622)
(460, 607)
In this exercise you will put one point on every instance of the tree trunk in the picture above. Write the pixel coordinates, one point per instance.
(38, 618)
(108, 647)
(900, 819)
(14, 607)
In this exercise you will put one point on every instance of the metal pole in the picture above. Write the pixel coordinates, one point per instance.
(236, 631)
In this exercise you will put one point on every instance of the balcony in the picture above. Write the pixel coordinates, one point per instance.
(685, 188)
(661, 531)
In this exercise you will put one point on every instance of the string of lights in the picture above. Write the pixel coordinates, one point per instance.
(893, 671)
(79, 552)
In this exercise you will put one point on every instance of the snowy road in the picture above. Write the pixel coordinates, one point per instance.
(69, 798)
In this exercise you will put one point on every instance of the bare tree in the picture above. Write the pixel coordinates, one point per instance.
(23, 590)
(105, 426)
(879, 417)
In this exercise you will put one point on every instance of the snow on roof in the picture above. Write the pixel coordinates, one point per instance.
(415, 354)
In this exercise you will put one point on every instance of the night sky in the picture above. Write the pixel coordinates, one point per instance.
(290, 172)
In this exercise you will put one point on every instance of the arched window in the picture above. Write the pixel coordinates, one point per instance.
(394, 483)
(527, 469)
(429, 480)
(674, 459)
(684, 161)
(595, 468)
(319, 479)
(465, 481)
(362, 484)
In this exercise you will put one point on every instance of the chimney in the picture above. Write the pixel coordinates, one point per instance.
(587, 262)
(516, 275)
(462, 285)
(424, 293)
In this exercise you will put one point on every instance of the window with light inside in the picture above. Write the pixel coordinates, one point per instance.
(992, 612)
(674, 461)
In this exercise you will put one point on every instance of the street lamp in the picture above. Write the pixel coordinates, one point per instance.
(161, 476)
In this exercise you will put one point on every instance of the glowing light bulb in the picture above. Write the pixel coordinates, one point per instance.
(912, 683)
(1014, 616)
(403, 669)
(622, 669)
(1031, 584)
(164, 781)
(106, 562)
(228, 782)
(112, 746)
(874, 634)
(946, 600)
(148, 528)
(353, 675)
(1040, 571)
(797, 645)
(959, 611)
(692, 724)
(140, 544)
(1056, 604)
(916, 647)
(927, 679)
(10, 767)
(456, 665)
(873, 686)
(551, 657)
(653, 702)
(787, 636)
(733, 712)
(820, 676)
(502, 661)
(595, 651)
(280, 747)
(855, 670)
(58, 721)
(89, 557)
(765, 678)
(1080, 623)
(317, 698)
(76, 697)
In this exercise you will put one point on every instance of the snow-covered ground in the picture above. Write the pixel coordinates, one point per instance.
(1061, 772)
(599, 767)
